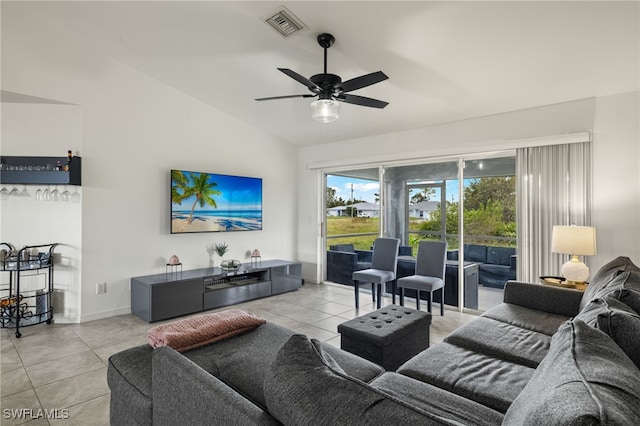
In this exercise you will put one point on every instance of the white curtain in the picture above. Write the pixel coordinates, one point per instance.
(554, 188)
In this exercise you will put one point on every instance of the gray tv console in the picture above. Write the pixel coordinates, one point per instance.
(173, 294)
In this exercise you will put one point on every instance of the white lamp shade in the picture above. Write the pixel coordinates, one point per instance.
(574, 240)
(325, 110)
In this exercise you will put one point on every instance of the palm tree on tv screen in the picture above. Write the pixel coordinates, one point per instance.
(178, 183)
(203, 190)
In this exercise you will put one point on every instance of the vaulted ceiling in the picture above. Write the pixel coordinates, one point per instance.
(446, 61)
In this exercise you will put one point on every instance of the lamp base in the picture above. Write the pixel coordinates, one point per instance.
(575, 271)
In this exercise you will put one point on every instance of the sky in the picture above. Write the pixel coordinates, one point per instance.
(237, 193)
(366, 189)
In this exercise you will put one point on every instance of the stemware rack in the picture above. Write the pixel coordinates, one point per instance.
(41, 170)
(22, 306)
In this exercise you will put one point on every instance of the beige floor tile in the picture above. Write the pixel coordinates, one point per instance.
(37, 354)
(315, 332)
(94, 412)
(14, 381)
(333, 308)
(329, 324)
(61, 368)
(334, 342)
(74, 390)
(286, 322)
(104, 352)
(22, 406)
(307, 315)
(9, 358)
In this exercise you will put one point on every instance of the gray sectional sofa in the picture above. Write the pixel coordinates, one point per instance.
(545, 356)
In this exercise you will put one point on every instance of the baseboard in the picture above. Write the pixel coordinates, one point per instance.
(105, 314)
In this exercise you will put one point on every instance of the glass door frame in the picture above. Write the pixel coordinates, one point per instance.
(382, 166)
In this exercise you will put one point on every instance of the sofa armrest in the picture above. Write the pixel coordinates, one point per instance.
(554, 300)
(184, 393)
(452, 255)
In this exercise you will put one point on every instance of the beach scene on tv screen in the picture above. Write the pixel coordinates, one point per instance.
(207, 202)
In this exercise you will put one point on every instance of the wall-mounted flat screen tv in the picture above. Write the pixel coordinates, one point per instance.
(208, 202)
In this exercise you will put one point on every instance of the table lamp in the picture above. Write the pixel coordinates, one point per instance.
(575, 241)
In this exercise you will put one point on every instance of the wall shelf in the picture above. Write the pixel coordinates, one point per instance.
(40, 170)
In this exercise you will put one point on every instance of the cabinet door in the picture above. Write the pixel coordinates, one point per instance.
(232, 295)
(176, 298)
(286, 278)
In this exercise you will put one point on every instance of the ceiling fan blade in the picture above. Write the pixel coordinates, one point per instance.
(363, 81)
(284, 97)
(300, 79)
(363, 101)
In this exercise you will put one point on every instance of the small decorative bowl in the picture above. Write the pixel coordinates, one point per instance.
(230, 265)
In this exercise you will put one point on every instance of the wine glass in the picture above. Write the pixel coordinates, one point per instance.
(55, 195)
(75, 197)
(66, 195)
(25, 193)
(15, 192)
(4, 193)
(46, 194)
(39, 194)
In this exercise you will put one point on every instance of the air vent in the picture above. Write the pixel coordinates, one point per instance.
(284, 22)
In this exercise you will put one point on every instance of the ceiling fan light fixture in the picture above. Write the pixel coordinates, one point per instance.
(325, 110)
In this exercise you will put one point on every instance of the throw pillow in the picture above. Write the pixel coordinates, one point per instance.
(585, 379)
(627, 279)
(605, 275)
(619, 321)
(201, 330)
(303, 387)
(629, 297)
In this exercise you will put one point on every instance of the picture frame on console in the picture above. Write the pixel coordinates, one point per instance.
(210, 202)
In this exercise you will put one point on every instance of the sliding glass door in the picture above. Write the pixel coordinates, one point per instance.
(352, 208)
(469, 203)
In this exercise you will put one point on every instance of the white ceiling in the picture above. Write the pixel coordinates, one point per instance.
(446, 61)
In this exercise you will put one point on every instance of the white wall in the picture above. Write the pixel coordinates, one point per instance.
(133, 130)
(612, 119)
(45, 130)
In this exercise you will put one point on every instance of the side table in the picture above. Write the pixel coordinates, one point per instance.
(389, 336)
(559, 282)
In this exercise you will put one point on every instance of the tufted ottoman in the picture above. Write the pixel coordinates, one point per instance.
(389, 336)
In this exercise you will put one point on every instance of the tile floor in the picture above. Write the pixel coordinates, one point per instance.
(61, 368)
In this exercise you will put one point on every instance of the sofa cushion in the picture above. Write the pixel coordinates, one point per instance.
(605, 275)
(624, 280)
(482, 378)
(343, 247)
(500, 255)
(530, 319)
(502, 340)
(475, 253)
(301, 388)
(436, 400)
(629, 297)
(585, 379)
(618, 320)
(495, 275)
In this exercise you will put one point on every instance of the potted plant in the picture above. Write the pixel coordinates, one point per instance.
(221, 249)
